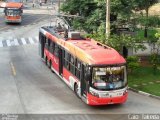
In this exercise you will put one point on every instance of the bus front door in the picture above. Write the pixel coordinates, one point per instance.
(60, 61)
(42, 40)
(83, 82)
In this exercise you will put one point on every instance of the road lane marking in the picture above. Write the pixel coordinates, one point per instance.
(31, 40)
(8, 42)
(1, 44)
(12, 42)
(4, 43)
(13, 69)
(23, 41)
(16, 42)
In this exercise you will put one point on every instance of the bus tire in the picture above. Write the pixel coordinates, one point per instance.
(76, 89)
(49, 64)
(46, 60)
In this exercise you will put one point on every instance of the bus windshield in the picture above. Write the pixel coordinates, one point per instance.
(12, 12)
(109, 78)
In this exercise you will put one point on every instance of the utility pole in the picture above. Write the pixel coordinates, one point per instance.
(107, 18)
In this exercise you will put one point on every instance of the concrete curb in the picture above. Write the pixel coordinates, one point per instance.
(144, 93)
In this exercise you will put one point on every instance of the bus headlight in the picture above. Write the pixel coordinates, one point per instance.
(94, 93)
(125, 92)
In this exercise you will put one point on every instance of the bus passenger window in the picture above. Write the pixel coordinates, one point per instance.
(46, 45)
(77, 69)
(66, 57)
(49, 42)
(52, 45)
(56, 50)
(71, 65)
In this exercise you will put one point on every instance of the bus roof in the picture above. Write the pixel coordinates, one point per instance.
(13, 5)
(87, 50)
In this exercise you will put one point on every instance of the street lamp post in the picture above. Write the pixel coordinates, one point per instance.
(107, 18)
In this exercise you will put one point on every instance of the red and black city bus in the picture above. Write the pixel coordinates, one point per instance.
(97, 73)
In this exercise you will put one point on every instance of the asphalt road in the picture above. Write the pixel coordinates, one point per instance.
(27, 86)
(30, 16)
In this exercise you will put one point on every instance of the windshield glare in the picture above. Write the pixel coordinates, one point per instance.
(109, 78)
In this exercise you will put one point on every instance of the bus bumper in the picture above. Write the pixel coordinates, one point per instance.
(93, 100)
(19, 20)
(13, 21)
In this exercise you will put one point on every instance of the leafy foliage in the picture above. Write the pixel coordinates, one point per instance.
(93, 12)
(157, 35)
(91, 18)
(132, 62)
(155, 60)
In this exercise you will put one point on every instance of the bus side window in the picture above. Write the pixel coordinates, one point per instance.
(64, 57)
(47, 43)
(56, 50)
(66, 64)
(77, 68)
(71, 65)
(52, 47)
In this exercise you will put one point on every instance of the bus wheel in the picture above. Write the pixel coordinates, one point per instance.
(46, 60)
(76, 90)
(50, 64)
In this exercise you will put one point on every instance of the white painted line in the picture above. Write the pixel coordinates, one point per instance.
(8, 43)
(37, 38)
(31, 40)
(23, 41)
(12, 42)
(1, 44)
(16, 42)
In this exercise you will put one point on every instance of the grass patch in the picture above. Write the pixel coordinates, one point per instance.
(145, 75)
(152, 89)
(151, 33)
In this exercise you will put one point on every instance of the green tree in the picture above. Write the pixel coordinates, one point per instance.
(93, 12)
(144, 5)
(92, 19)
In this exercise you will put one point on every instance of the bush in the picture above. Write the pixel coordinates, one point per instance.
(155, 61)
(132, 62)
